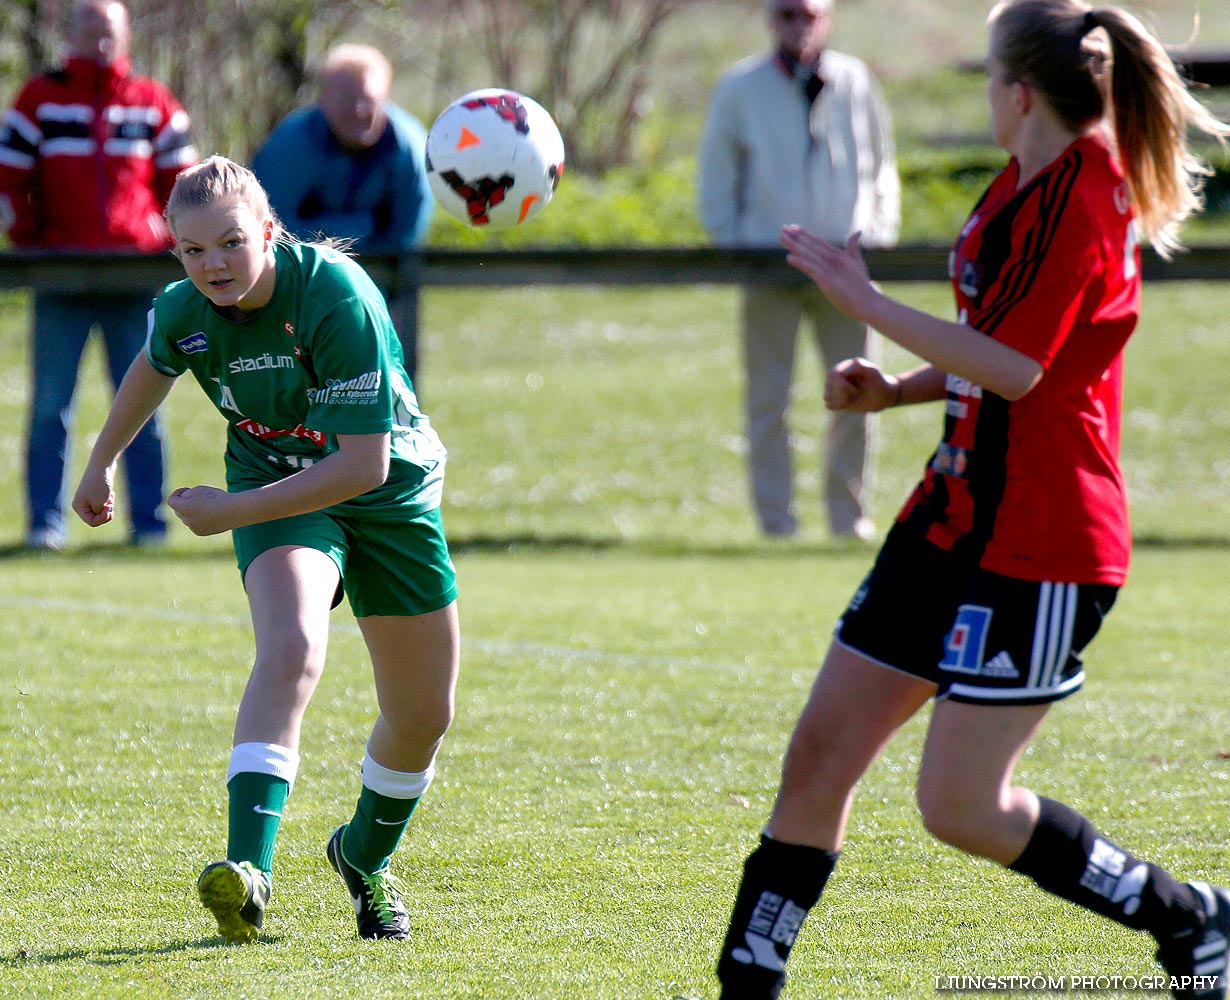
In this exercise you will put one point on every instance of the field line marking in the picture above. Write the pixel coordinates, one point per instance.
(495, 647)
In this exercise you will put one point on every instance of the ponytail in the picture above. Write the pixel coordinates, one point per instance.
(1151, 112)
(1055, 47)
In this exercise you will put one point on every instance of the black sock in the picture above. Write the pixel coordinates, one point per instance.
(1068, 857)
(781, 882)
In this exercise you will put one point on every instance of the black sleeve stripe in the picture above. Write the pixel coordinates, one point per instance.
(1052, 200)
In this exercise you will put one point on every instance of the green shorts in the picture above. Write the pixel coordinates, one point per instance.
(387, 567)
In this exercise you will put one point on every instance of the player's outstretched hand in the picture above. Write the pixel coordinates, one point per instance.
(859, 384)
(204, 510)
(839, 272)
(94, 501)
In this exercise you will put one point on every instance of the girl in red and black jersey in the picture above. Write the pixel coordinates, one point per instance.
(1007, 556)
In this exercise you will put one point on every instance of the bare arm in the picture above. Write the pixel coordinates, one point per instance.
(139, 395)
(861, 385)
(951, 347)
(361, 463)
(923, 384)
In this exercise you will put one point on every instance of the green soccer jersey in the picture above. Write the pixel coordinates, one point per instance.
(320, 359)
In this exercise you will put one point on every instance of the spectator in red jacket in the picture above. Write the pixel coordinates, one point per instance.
(88, 154)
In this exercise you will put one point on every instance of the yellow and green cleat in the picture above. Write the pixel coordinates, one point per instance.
(236, 894)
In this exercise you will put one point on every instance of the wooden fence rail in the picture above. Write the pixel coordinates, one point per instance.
(405, 276)
(85, 272)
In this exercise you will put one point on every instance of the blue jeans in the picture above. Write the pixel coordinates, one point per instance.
(62, 324)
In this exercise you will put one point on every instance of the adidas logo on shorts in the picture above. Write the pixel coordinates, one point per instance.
(1000, 665)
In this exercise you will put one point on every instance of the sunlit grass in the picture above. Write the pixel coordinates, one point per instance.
(634, 658)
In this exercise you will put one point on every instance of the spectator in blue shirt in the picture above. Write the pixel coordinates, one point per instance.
(352, 166)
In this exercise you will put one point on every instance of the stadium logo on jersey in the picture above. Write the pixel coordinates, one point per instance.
(290, 330)
(194, 344)
(263, 363)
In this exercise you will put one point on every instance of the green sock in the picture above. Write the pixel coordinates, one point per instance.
(372, 835)
(256, 803)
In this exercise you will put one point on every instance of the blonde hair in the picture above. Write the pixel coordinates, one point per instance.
(1054, 46)
(215, 179)
(350, 57)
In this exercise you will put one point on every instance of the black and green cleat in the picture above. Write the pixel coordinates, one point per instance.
(376, 898)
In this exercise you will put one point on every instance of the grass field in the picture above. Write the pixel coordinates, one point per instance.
(634, 659)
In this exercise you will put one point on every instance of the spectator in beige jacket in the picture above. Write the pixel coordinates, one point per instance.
(800, 135)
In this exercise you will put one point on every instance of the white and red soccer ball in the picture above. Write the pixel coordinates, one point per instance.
(494, 158)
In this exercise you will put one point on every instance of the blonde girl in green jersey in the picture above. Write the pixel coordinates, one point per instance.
(334, 478)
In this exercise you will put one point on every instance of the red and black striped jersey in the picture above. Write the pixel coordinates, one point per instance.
(88, 154)
(1052, 269)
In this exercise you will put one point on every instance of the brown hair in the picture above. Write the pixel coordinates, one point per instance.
(1054, 46)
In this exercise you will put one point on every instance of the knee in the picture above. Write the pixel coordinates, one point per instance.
(416, 718)
(951, 814)
(435, 721)
(413, 736)
(294, 659)
(426, 723)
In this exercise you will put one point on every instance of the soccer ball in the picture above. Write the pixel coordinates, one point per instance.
(494, 158)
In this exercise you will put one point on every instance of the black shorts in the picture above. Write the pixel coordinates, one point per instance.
(979, 636)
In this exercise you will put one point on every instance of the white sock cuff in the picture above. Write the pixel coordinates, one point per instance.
(264, 758)
(396, 784)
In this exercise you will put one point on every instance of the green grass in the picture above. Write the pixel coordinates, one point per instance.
(634, 659)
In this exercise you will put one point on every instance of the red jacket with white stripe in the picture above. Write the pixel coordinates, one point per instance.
(88, 154)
